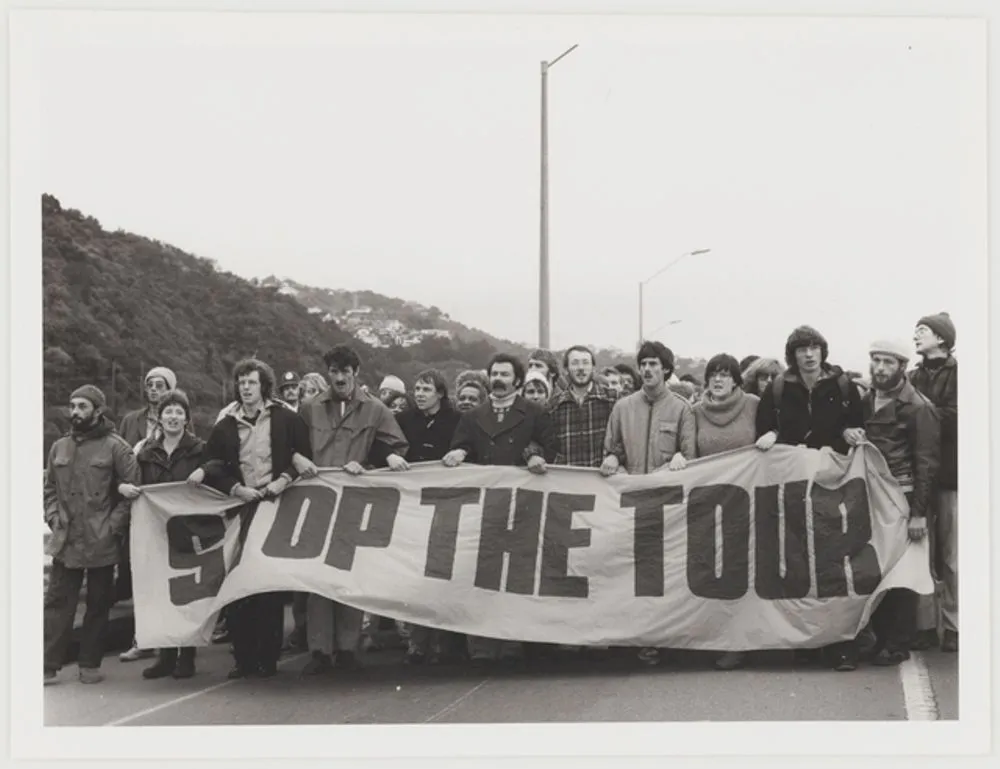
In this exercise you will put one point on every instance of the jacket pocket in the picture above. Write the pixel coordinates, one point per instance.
(666, 438)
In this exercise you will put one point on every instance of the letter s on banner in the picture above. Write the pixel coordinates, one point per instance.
(195, 542)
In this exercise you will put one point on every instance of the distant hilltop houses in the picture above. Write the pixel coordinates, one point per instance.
(370, 326)
(366, 326)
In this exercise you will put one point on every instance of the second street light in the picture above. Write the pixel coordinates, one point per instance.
(543, 245)
(656, 275)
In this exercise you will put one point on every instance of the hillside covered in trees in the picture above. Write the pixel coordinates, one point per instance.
(116, 304)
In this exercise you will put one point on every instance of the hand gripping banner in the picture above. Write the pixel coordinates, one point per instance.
(790, 548)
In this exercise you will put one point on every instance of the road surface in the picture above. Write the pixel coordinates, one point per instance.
(387, 692)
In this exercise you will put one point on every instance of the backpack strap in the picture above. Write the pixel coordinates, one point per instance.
(777, 391)
(845, 390)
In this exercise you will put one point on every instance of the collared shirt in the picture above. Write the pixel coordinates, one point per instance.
(255, 446)
(152, 423)
(582, 425)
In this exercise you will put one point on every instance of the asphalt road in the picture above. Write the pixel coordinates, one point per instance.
(387, 692)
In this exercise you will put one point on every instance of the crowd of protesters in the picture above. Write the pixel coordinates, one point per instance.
(617, 419)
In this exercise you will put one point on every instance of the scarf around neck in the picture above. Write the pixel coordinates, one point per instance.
(724, 412)
(503, 403)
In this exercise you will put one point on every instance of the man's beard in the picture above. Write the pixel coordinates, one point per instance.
(79, 423)
(585, 383)
(890, 383)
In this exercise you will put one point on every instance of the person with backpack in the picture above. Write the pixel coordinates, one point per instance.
(812, 404)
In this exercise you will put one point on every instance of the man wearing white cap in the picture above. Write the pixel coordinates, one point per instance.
(904, 426)
(142, 423)
(391, 387)
(136, 426)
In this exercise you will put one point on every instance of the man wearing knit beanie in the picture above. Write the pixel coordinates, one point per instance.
(904, 426)
(936, 377)
(135, 427)
(813, 404)
(142, 423)
(92, 394)
(82, 476)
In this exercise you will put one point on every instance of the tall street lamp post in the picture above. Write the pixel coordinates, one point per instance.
(543, 262)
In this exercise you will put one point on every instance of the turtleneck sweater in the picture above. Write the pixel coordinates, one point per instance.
(727, 424)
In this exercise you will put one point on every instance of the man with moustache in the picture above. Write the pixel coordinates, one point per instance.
(506, 430)
(349, 429)
(936, 377)
(288, 389)
(813, 404)
(249, 456)
(650, 429)
(87, 517)
(905, 427)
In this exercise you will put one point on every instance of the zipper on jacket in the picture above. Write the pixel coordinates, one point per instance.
(649, 430)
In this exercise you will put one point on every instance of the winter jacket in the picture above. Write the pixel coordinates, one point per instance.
(940, 386)
(429, 437)
(907, 431)
(221, 457)
(361, 429)
(726, 425)
(156, 467)
(83, 508)
(645, 434)
(134, 425)
(488, 442)
(816, 419)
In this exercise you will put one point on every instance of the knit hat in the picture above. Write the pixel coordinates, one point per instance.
(92, 394)
(892, 347)
(393, 383)
(167, 374)
(537, 376)
(941, 325)
(805, 336)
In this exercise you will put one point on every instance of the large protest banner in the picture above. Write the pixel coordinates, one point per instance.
(746, 550)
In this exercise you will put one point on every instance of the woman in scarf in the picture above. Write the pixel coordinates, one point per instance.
(726, 420)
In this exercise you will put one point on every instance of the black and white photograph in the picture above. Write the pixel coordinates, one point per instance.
(586, 381)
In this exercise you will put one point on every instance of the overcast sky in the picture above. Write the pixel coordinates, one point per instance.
(834, 167)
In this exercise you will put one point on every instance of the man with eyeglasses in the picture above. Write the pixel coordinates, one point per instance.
(143, 423)
(136, 426)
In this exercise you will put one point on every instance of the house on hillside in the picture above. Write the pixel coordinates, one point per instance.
(358, 316)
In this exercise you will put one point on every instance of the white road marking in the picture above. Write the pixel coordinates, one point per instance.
(918, 694)
(185, 698)
(448, 708)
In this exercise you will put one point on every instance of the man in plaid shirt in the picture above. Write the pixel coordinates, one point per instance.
(580, 413)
